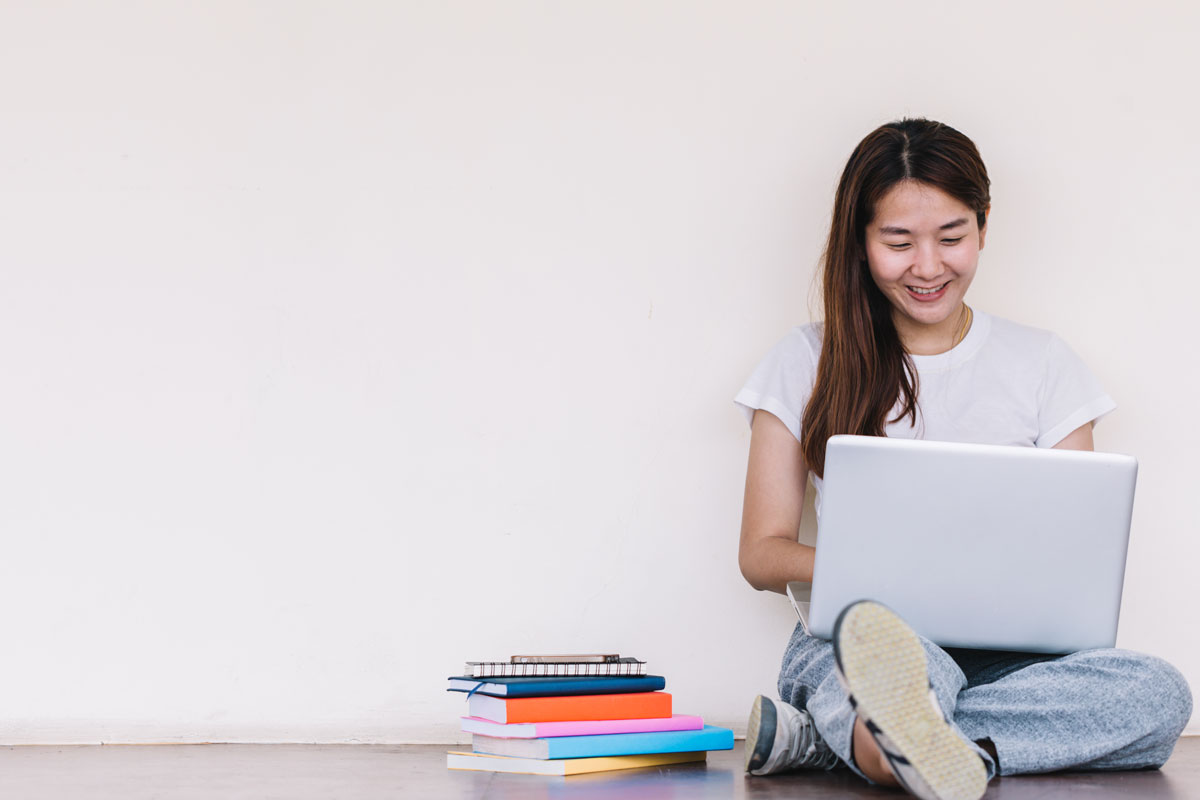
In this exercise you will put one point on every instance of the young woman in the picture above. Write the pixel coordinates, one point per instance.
(901, 354)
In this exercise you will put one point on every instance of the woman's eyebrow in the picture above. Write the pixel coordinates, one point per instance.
(906, 231)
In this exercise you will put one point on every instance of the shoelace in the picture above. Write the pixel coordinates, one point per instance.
(807, 748)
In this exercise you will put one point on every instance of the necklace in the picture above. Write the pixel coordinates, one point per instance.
(965, 326)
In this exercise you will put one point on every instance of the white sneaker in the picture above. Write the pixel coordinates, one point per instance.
(881, 664)
(781, 737)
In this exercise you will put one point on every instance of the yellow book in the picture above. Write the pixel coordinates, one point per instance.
(565, 766)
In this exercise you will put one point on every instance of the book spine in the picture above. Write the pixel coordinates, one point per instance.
(582, 765)
(535, 730)
(546, 687)
(677, 722)
(636, 705)
(575, 766)
(505, 669)
(627, 744)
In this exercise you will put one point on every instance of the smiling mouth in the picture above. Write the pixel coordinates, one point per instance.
(932, 290)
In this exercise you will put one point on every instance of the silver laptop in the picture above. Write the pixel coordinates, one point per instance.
(1005, 548)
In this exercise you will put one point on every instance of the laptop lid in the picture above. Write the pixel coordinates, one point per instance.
(987, 546)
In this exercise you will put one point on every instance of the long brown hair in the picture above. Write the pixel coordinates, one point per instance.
(864, 371)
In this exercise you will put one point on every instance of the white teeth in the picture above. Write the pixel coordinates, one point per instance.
(927, 291)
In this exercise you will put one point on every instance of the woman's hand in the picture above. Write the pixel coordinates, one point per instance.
(769, 553)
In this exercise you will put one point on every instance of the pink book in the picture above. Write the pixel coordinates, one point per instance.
(537, 730)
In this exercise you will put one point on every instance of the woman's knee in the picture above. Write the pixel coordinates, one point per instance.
(1159, 690)
(1171, 693)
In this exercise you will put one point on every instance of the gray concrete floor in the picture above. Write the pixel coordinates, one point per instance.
(349, 772)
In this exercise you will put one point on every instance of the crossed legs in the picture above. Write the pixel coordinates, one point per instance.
(1097, 709)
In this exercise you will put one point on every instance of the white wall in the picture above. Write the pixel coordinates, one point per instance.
(343, 342)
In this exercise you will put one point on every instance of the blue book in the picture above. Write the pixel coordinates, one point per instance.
(610, 744)
(556, 687)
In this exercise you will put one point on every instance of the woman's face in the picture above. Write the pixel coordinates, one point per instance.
(922, 249)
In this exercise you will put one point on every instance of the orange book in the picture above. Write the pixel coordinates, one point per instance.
(569, 708)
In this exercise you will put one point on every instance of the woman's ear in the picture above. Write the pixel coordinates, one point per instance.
(983, 231)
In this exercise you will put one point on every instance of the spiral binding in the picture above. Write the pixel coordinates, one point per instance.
(507, 669)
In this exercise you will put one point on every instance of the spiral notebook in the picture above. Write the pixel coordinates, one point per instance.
(557, 667)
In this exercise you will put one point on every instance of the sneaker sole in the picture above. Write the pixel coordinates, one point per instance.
(760, 733)
(882, 665)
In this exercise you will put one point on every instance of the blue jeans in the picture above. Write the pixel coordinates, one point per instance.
(1095, 709)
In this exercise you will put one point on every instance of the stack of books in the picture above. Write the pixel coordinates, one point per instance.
(567, 715)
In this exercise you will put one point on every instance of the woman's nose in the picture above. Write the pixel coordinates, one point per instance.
(926, 265)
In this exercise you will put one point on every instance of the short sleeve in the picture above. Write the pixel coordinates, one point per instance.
(1070, 395)
(783, 381)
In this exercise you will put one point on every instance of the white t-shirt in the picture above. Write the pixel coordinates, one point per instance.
(1004, 383)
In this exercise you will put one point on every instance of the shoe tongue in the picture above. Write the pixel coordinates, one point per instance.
(806, 748)
(801, 730)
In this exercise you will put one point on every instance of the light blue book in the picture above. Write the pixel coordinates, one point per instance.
(610, 744)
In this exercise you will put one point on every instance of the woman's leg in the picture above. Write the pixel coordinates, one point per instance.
(808, 679)
(867, 757)
(1095, 709)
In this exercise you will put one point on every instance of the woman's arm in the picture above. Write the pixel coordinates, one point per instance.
(1078, 439)
(769, 553)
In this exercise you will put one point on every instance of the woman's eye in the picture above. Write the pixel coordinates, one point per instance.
(953, 241)
(899, 246)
